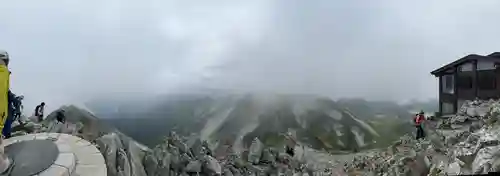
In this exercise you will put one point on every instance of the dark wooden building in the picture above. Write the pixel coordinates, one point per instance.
(473, 76)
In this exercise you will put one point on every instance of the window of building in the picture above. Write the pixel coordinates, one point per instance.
(448, 84)
(464, 81)
(466, 67)
(485, 65)
(486, 80)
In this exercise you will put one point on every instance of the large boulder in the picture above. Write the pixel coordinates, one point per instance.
(212, 166)
(255, 151)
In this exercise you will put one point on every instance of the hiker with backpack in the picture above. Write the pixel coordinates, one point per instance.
(39, 112)
(418, 121)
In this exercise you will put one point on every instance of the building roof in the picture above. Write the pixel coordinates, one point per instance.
(493, 56)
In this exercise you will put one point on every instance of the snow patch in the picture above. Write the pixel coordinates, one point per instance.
(338, 129)
(359, 137)
(249, 127)
(214, 124)
(364, 124)
(341, 143)
(335, 114)
(299, 109)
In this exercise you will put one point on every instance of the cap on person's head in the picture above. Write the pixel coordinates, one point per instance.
(4, 55)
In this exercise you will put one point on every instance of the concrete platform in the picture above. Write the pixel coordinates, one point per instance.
(23, 154)
(76, 156)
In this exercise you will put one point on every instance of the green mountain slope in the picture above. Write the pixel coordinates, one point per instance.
(318, 122)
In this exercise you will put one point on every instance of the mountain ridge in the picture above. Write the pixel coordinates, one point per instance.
(320, 122)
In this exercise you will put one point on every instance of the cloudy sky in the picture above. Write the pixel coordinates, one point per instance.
(71, 51)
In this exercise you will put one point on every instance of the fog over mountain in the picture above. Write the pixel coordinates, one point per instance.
(318, 121)
(66, 52)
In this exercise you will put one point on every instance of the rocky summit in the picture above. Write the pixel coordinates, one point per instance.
(462, 144)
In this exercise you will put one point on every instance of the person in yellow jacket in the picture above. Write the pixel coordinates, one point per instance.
(5, 162)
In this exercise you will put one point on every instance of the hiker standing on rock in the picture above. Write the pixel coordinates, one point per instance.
(419, 120)
(5, 162)
(39, 111)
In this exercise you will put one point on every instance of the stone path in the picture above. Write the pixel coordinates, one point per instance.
(77, 157)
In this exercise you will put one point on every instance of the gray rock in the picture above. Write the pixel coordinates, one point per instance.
(437, 169)
(197, 149)
(421, 166)
(484, 158)
(234, 171)
(495, 165)
(459, 119)
(109, 146)
(135, 156)
(123, 163)
(194, 167)
(183, 148)
(19, 133)
(478, 111)
(164, 164)
(150, 164)
(212, 166)
(206, 148)
(255, 151)
(451, 140)
(227, 172)
(175, 162)
(268, 156)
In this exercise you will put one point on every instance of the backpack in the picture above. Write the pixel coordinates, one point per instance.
(420, 118)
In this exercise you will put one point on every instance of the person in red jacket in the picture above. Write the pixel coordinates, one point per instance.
(419, 120)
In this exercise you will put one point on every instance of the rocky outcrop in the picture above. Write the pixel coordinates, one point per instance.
(467, 143)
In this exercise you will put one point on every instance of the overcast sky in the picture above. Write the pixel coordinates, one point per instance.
(70, 51)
